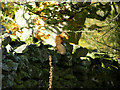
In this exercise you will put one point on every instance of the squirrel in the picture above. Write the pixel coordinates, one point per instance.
(59, 40)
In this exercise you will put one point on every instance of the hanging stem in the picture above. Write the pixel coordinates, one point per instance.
(50, 77)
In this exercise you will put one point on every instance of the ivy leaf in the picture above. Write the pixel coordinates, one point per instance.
(29, 7)
(74, 37)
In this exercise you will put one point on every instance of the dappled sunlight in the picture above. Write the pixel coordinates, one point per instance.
(54, 44)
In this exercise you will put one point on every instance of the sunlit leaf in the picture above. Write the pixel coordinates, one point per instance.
(42, 14)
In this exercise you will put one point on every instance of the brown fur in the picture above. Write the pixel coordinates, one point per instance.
(58, 41)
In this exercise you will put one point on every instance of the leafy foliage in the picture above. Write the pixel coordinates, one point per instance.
(29, 69)
(93, 46)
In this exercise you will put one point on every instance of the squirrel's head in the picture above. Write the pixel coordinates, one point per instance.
(64, 35)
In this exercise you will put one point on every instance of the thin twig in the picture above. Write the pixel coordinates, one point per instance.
(50, 77)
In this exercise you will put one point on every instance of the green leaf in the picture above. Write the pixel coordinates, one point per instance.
(29, 7)
(6, 41)
(74, 37)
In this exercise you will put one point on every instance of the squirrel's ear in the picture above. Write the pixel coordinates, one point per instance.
(65, 34)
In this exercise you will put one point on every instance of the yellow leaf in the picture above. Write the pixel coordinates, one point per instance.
(44, 18)
(42, 14)
(37, 36)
